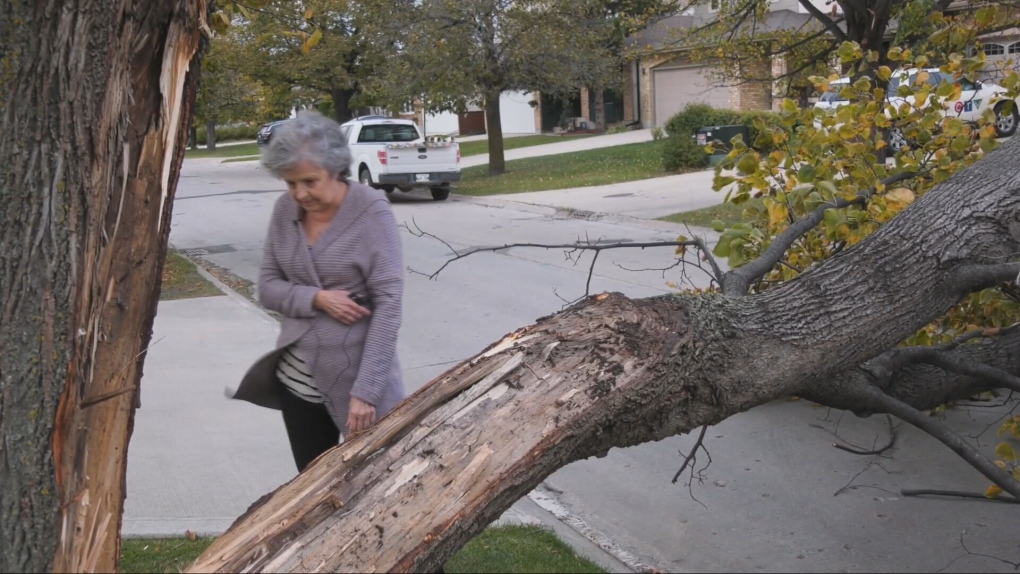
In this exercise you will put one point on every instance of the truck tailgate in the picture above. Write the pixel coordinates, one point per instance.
(425, 157)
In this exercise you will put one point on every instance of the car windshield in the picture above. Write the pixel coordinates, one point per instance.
(385, 133)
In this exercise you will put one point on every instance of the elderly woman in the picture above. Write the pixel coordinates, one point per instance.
(332, 267)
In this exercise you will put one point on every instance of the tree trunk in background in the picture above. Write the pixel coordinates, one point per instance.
(600, 108)
(342, 104)
(210, 136)
(611, 372)
(494, 130)
(193, 137)
(96, 103)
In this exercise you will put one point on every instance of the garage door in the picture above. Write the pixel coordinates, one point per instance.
(677, 87)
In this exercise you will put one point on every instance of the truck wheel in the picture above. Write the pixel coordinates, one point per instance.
(440, 193)
(365, 177)
(1005, 119)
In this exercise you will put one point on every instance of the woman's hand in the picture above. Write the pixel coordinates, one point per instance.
(360, 417)
(339, 306)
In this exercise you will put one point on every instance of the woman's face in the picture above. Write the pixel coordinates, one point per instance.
(314, 188)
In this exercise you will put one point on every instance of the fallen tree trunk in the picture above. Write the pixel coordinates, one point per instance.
(611, 372)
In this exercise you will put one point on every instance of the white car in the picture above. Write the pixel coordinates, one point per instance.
(975, 98)
(392, 154)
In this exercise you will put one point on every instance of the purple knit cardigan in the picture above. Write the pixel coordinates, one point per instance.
(359, 252)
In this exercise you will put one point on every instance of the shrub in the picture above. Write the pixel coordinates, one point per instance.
(687, 122)
(682, 152)
(229, 133)
(696, 116)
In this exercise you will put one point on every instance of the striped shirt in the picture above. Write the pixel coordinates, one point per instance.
(293, 372)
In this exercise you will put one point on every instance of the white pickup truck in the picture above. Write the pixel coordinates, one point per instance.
(392, 154)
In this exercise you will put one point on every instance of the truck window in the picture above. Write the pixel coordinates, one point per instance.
(386, 133)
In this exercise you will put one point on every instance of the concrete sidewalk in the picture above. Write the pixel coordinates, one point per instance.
(581, 144)
(642, 199)
(198, 460)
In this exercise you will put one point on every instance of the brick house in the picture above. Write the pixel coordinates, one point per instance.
(665, 79)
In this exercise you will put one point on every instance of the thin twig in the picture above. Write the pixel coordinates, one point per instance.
(568, 248)
(859, 451)
(700, 443)
(958, 494)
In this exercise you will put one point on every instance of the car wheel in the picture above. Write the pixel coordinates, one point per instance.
(365, 177)
(440, 193)
(1005, 119)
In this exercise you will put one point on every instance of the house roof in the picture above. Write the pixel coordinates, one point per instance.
(663, 34)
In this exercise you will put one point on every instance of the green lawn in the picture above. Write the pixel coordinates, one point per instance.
(578, 169)
(181, 280)
(502, 549)
(480, 147)
(245, 152)
(728, 213)
(224, 151)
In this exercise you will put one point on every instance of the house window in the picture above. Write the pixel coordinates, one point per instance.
(993, 49)
(1014, 48)
(714, 5)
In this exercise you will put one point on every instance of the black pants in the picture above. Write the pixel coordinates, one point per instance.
(309, 427)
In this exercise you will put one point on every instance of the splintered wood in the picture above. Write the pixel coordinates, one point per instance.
(451, 458)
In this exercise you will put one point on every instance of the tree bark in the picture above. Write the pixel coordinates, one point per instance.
(342, 104)
(611, 372)
(600, 108)
(494, 131)
(210, 136)
(96, 104)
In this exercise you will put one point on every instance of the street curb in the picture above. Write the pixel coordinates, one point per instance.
(229, 292)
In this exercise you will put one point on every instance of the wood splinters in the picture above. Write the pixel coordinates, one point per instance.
(563, 400)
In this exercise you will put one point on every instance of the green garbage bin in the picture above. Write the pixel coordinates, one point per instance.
(722, 136)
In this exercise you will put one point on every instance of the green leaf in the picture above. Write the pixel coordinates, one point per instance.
(220, 22)
(718, 226)
(1005, 451)
(748, 164)
(828, 186)
(849, 51)
(806, 173)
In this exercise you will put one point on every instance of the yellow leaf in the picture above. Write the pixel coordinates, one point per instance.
(993, 491)
(309, 13)
(899, 198)
(312, 41)
(1005, 451)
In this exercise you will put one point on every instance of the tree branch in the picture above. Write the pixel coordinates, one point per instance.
(980, 276)
(947, 437)
(947, 361)
(568, 248)
(736, 281)
(824, 19)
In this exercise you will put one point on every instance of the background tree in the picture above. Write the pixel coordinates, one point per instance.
(322, 47)
(226, 95)
(455, 52)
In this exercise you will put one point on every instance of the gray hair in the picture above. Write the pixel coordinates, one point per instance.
(309, 137)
